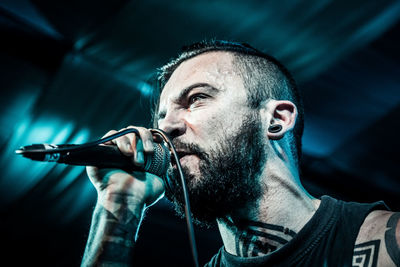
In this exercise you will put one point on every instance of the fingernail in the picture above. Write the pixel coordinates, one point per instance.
(140, 157)
(157, 138)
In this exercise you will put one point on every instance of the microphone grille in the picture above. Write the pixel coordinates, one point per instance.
(159, 161)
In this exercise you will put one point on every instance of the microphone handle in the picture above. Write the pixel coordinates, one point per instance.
(102, 156)
(99, 156)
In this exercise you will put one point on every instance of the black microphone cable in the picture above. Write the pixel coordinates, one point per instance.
(166, 139)
(188, 213)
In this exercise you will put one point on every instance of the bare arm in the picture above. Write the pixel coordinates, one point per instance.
(111, 238)
(378, 242)
(121, 200)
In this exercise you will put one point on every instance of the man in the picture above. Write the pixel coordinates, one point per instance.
(236, 119)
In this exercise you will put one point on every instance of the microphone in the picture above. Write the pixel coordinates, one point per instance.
(102, 156)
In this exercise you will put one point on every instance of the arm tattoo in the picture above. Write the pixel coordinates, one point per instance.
(111, 238)
(391, 240)
(257, 238)
(366, 254)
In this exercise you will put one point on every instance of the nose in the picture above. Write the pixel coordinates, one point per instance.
(173, 125)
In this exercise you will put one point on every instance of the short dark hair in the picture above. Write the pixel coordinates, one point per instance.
(257, 69)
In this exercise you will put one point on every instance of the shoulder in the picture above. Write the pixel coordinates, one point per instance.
(378, 241)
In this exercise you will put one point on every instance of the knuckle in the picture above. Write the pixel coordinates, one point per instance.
(111, 132)
(131, 137)
(147, 139)
(145, 133)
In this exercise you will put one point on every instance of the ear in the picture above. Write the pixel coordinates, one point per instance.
(282, 118)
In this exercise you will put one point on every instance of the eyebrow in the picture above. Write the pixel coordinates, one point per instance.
(185, 92)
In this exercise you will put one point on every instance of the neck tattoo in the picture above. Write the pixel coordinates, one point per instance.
(258, 238)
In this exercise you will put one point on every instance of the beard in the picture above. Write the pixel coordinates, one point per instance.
(229, 174)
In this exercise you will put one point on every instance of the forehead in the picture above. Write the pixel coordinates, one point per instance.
(215, 68)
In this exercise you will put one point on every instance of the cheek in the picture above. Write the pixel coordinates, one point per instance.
(215, 121)
(205, 122)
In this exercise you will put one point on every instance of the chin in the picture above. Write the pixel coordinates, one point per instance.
(192, 172)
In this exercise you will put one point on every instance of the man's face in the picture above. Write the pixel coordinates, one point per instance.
(219, 137)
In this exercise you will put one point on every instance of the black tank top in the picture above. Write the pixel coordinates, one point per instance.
(326, 240)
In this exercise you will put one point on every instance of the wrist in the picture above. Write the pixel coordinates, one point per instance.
(122, 206)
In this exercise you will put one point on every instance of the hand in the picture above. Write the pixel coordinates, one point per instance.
(139, 188)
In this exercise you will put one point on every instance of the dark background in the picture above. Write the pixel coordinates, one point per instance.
(72, 70)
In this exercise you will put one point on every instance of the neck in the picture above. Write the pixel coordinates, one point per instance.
(277, 216)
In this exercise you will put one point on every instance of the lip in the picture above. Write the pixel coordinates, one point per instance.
(181, 155)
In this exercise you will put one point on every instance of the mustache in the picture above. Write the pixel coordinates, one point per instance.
(190, 148)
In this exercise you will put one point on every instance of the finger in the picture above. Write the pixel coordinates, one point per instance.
(132, 140)
(157, 138)
(137, 148)
(138, 159)
(108, 134)
(147, 139)
(124, 145)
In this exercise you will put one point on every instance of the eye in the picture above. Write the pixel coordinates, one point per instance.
(196, 98)
(161, 115)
